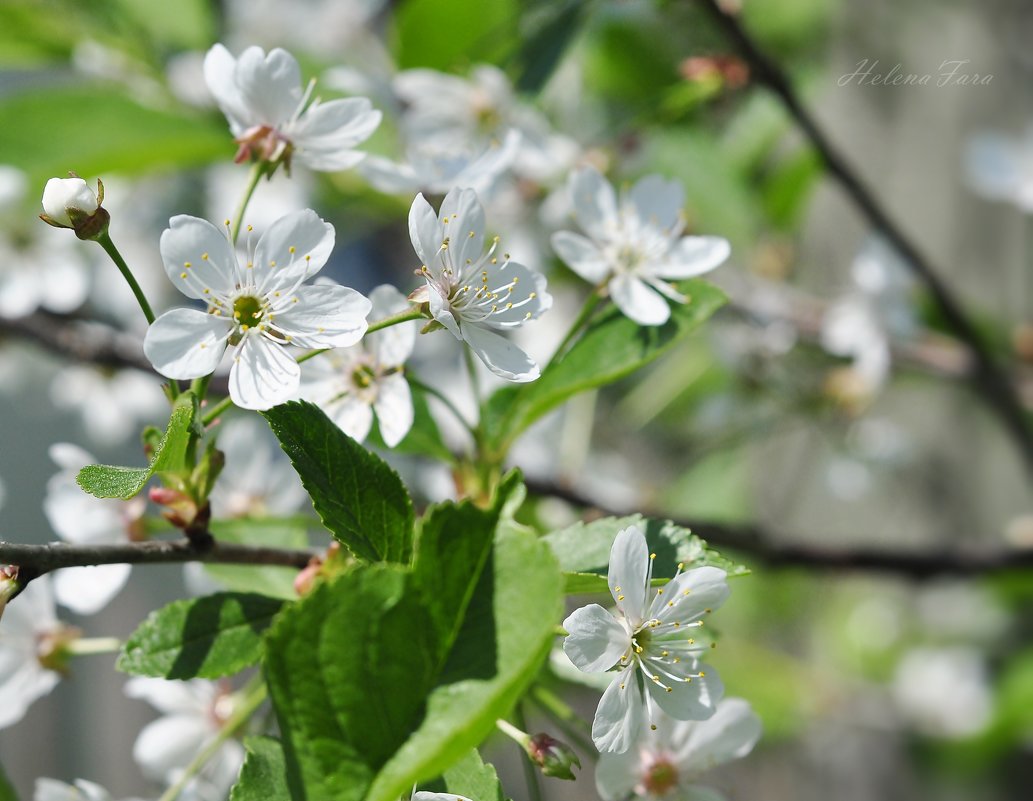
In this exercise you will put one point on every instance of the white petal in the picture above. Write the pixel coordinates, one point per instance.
(692, 593)
(394, 408)
(629, 566)
(392, 346)
(730, 734)
(263, 374)
(501, 356)
(220, 75)
(657, 201)
(581, 255)
(353, 416)
(186, 343)
(82, 790)
(480, 173)
(293, 247)
(693, 255)
(389, 176)
(424, 230)
(690, 700)
(191, 698)
(213, 264)
(465, 226)
(595, 640)
(269, 84)
(326, 133)
(529, 295)
(87, 590)
(324, 316)
(620, 714)
(441, 310)
(595, 203)
(169, 743)
(69, 457)
(616, 775)
(638, 302)
(19, 690)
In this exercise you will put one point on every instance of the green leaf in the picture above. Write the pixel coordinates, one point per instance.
(263, 776)
(472, 778)
(185, 24)
(611, 348)
(210, 637)
(6, 789)
(543, 47)
(105, 481)
(520, 601)
(111, 133)
(384, 677)
(451, 35)
(583, 551)
(271, 580)
(357, 496)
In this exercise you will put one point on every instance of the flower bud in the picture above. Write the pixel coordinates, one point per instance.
(9, 585)
(70, 203)
(556, 759)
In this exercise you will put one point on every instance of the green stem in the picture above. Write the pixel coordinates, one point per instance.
(565, 718)
(216, 410)
(251, 701)
(413, 313)
(104, 240)
(511, 731)
(441, 396)
(534, 787)
(258, 169)
(580, 322)
(89, 646)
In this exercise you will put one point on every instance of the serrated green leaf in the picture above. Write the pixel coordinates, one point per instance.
(271, 580)
(106, 481)
(263, 776)
(7, 792)
(112, 133)
(210, 637)
(611, 348)
(472, 778)
(359, 498)
(583, 551)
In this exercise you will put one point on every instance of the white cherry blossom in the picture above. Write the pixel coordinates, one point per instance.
(81, 790)
(648, 643)
(82, 519)
(257, 307)
(666, 761)
(193, 713)
(63, 197)
(634, 243)
(351, 384)
(472, 291)
(272, 119)
(31, 641)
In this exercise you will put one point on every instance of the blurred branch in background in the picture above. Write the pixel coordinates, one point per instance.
(987, 377)
(762, 543)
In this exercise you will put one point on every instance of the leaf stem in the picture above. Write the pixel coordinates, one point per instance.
(580, 322)
(249, 703)
(534, 787)
(258, 169)
(104, 240)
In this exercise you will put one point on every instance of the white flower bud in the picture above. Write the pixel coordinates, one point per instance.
(64, 195)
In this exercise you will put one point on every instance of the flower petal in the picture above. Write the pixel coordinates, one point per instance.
(595, 203)
(691, 595)
(595, 639)
(638, 302)
(219, 73)
(424, 230)
(581, 255)
(186, 343)
(525, 299)
(169, 743)
(657, 201)
(390, 347)
(323, 316)
(263, 374)
(617, 775)
(353, 416)
(325, 135)
(730, 734)
(87, 590)
(270, 85)
(292, 248)
(693, 255)
(620, 714)
(198, 256)
(689, 700)
(629, 566)
(462, 218)
(501, 356)
(394, 408)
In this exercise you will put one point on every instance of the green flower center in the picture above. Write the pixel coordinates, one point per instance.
(248, 312)
(661, 777)
(363, 376)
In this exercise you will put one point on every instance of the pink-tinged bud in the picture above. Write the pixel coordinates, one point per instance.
(555, 758)
(306, 578)
(70, 203)
(180, 509)
(163, 496)
(9, 585)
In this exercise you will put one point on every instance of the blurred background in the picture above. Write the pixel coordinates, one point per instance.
(828, 410)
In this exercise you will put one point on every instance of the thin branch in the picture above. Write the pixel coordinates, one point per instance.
(756, 541)
(35, 560)
(987, 378)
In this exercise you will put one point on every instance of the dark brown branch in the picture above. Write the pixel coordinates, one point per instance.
(35, 560)
(986, 377)
(757, 542)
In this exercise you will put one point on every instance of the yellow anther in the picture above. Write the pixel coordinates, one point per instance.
(494, 261)
(676, 660)
(691, 641)
(516, 279)
(669, 689)
(250, 229)
(226, 222)
(207, 291)
(708, 611)
(509, 305)
(620, 597)
(652, 727)
(187, 264)
(182, 275)
(663, 653)
(670, 603)
(533, 295)
(652, 556)
(244, 327)
(204, 257)
(702, 675)
(527, 316)
(681, 565)
(290, 249)
(272, 262)
(472, 235)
